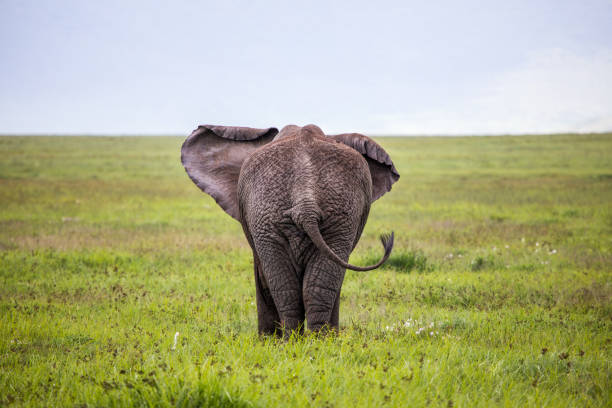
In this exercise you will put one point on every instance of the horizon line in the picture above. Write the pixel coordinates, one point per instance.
(475, 134)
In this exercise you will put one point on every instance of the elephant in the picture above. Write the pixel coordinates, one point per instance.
(302, 198)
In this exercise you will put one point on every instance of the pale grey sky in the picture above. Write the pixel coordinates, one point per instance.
(384, 67)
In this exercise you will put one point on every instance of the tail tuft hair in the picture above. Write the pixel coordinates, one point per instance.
(387, 241)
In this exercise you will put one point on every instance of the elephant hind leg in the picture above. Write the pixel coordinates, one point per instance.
(322, 282)
(284, 288)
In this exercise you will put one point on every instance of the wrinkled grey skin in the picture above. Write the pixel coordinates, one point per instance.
(303, 199)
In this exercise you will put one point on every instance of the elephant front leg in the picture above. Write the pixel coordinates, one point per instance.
(268, 321)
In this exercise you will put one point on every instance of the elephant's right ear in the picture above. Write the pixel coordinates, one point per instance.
(382, 170)
(213, 155)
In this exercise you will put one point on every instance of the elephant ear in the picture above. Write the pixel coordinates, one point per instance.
(382, 170)
(213, 155)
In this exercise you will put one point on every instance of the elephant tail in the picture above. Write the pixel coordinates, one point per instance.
(312, 230)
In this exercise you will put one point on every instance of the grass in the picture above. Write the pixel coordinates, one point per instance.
(498, 292)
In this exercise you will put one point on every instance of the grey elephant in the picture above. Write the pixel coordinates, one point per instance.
(303, 199)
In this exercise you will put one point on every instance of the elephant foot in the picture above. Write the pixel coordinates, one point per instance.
(283, 330)
(289, 327)
(323, 329)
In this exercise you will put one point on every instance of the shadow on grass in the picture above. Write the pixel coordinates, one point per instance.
(402, 261)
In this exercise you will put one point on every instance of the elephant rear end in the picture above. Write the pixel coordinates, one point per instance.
(295, 183)
(303, 199)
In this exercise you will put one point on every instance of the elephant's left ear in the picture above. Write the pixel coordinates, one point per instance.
(213, 156)
(382, 170)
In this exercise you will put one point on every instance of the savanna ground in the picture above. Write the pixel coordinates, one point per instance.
(498, 291)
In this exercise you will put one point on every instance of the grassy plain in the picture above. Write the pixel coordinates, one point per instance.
(498, 292)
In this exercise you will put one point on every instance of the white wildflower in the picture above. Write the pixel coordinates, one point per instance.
(554, 251)
(507, 246)
(175, 340)
(537, 244)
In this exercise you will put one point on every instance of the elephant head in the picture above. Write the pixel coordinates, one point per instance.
(213, 157)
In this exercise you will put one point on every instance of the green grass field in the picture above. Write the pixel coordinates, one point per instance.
(498, 292)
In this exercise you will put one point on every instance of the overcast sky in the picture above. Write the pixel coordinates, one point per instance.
(376, 67)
